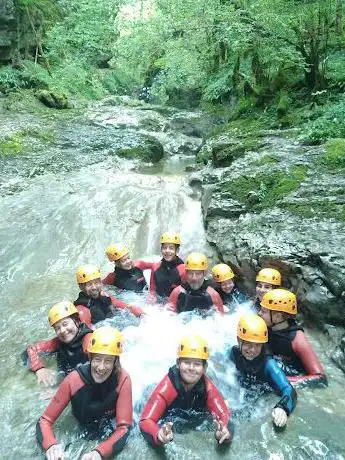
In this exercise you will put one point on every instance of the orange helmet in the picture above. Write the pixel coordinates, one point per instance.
(269, 275)
(280, 300)
(116, 251)
(196, 261)
(222, 272)
(252, 328)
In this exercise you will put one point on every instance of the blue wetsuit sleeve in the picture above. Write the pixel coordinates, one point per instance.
(277, 379)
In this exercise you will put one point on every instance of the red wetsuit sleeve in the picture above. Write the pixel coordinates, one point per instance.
(182, 271)
(144, 264)
(216, 299)
(109, 279)
(216, 404)
(45, 346)
(124, 418)
(44, 430)
(153, 288)
(313, 368)
(161, 398)
(136, 311)
(85, 343)
(84, 315)
(173, 297)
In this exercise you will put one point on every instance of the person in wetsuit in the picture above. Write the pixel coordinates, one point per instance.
(195, 293)
(100, 304)
(266, 280)
(287, 340)
(169, 272)
(70, 344)
(223, 278)
(255, 367)
(128, 274)
(185, 390)
(97, 390)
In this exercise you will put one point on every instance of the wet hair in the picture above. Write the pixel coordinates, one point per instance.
(76, 319)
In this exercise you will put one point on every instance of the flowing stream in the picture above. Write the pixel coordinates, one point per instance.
(60, 207)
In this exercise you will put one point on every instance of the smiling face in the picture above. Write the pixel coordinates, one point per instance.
(101, 366)
(227, 286)
(126, 263)
(195, 278)
(66, 329)
(250, 350)
(191, 370)
(262, 288)
(169, 251)
(92, 288)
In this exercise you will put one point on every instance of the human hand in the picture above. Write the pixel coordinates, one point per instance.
(165, 434)
(279, 417)
(93, 455)
(221, 433)
(45, 376)
(55, 452)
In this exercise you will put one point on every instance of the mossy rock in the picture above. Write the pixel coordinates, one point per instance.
(283, 104)
(150, 150)
(52, 99)
(265, 190)
(224, 155)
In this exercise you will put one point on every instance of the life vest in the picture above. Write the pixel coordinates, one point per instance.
(167, 276)
(100, 308)
(194, 399)
(250, 372)
(94, 400)
(234, 298)
(281, 345)
(189, 299)
(69, 355)
(131, 280)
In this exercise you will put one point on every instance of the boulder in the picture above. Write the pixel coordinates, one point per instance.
(52, 99)
(149, 150)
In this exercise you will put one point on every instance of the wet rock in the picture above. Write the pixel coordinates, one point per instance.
(289, 214)
(338, 355)
(194, 124)
(52, 99)
(149, 150)
(8, 30)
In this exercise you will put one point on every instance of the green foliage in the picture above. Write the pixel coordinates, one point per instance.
(266, 189)
(334, 157)
(329, 124)
(11, 145)
(19, 142)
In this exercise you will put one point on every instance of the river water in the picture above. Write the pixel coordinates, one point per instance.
(60, 207)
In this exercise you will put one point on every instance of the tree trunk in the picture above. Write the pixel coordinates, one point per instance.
(339, 18)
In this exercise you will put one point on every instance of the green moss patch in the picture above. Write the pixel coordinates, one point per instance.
(320, 209)
(266, 189)
(334, 158)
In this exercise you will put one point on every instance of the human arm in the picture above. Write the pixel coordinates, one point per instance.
(220, 412)
(136, 311)
(84, 315)
(144, 264)
(124, 419)
(44, 428)
(277, 379)
(154, 410)
(43, 375)
(315, 372)
(173, 297)
(216, 299)
(109, 279)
